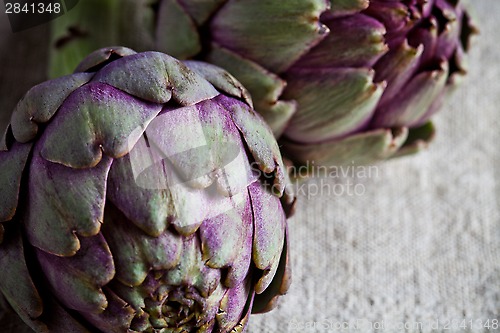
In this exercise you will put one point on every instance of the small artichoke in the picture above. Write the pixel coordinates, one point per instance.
(141, 194)
(339, 81)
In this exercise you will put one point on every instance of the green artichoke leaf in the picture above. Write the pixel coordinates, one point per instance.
(366, 44)
(136, 253)
(418, 139)
(348, 7)
(116, 318)
(192, 271)
(362, 148)
(96, 118)
(176, 33)
(415, 99)
(41, 103)
(269, 236)
(151, 81)
(268, 300)
(149, 209)
(261, 143)
(201, 10)
(221, 80)
(101, 56)
(265, 87)
(261, 30)
(158, 77)
(12, 164)
(64, 202)
(17, 286)
(79, 278)
(332, 102)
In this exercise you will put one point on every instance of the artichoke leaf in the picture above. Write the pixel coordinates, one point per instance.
(64, 202)
(261, 143)
(221, 80)
(269, 231)
(116, 318)
(366, 44)
(268, 300)
(332, 102)
(149, 209)
(221, 235)
(136, 253)
(233, 304)
(201, 10)
(101, 56)
(79, 278)
(264, 86)
(415, 99)
(96, 118)
(185, 42)
(150, 83)
(41, 103)
(12, 164)
(17, 286)
(358, 149)
(250, 27)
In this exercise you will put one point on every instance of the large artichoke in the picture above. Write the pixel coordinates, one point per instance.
(141, 194)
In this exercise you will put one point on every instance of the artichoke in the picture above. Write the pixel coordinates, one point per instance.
(339, 82)
(141, 194)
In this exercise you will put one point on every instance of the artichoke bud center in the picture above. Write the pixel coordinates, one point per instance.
(179, 307)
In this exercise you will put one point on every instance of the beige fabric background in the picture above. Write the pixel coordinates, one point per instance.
(423, 242)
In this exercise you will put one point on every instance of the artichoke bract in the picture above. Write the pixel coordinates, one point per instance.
(141, 194)
(341, 81)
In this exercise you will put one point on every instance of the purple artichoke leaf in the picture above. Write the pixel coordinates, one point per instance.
(79, 278)
(12, 164)
(268, 239)
(96, 118)
(414, 100)
(64, 202)
(17, 287)
(268, 300)
(41, 103)
(396, 68)
(255, 134)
